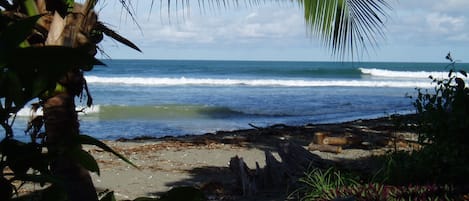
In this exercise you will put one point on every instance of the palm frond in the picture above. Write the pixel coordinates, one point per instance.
(5, 4)
(346, 26)
(109, 32)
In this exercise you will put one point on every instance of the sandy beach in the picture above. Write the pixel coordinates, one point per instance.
(202, 161)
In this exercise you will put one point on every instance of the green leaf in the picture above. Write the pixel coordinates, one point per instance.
(85, 159)
(39, 58)
(16, 33)
(31, 71)
(31, 8)
(5, 4)
(40, 84)
(346, 26)
(85, 139)
(460, 82)
(101, 27)
(15, 90)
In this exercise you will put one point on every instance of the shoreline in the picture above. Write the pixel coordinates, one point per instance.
(251, 127)
(202, 160)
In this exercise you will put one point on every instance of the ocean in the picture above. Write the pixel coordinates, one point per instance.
(177, 97)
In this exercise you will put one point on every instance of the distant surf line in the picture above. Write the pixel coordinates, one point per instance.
(401, 74)
(167, 81)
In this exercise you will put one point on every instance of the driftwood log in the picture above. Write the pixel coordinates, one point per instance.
(295, 160)
(324, 143)
(319, 137)
(335, 140)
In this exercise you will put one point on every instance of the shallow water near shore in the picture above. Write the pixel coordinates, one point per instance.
(169, 97)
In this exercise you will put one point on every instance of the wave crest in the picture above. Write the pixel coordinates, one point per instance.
(154, 81)
(401, 74)
(27, 112)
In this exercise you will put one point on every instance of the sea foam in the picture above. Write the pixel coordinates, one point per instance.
(401, 74)
(155, 81)
(27, 112)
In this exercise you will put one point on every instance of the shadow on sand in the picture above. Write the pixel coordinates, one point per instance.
(220, 183)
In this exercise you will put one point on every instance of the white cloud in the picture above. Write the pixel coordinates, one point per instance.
(451, 5)
(430, 23)
(443, 23)
(245, 26)
(412, 23)
(463, 37)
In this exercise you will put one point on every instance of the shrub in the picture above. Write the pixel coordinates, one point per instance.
(317, 181)
(330, 184)
(443, 123)
(444, 114)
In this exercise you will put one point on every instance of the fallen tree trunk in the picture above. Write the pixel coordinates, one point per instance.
(324, 148)
(295, 160)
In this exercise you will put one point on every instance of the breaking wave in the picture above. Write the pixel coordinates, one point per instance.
(401, 74)
(155, 81)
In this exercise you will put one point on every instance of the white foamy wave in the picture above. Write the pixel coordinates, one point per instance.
(401, 74)
(252, 82)
(26, 111)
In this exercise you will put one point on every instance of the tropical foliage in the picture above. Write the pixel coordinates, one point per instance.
(443, 124)
(46, 46)
(438, 171)
(331, 184)
(346, 27)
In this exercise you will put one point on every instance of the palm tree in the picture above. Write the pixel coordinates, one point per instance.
(76, 26)
(344, 26)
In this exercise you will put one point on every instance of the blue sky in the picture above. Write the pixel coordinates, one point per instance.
(415, 31)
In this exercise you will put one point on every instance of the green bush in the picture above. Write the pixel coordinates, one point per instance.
(444, 113)
(438, 171)
(442, 117)
(443, 124)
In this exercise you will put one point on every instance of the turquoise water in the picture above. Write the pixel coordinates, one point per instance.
(164, 97)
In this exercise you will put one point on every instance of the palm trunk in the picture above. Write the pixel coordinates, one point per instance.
(61, 124)
(60, 116)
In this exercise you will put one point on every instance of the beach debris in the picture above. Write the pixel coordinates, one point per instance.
(335, 141)
(295, 160)
(324, 143)
(319, 137)
(244, 177)
(325, 148)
